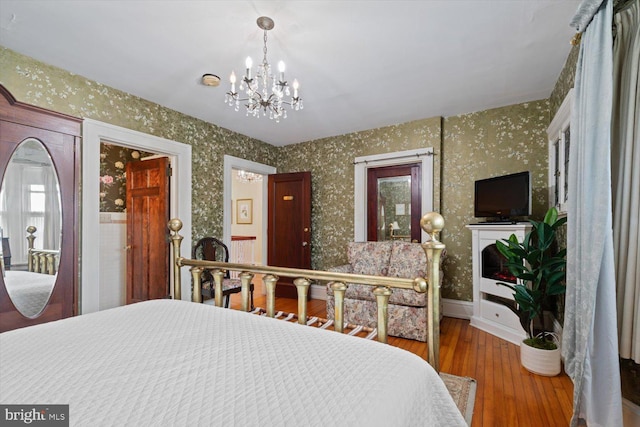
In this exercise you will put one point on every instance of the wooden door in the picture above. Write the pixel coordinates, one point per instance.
(147, 217)
(402, 206)
(289, 225)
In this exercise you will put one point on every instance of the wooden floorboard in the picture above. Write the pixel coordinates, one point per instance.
(507, 394)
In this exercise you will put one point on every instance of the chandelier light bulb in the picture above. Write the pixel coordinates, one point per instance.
(281, 66)
(296, 85)
(232, 77)
(248, 63)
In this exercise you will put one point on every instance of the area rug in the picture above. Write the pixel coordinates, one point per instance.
(463, 391)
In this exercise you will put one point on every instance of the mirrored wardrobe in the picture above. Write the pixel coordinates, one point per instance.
(39, 158)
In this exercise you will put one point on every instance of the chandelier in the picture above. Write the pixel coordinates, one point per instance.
(264, 92)
(244, 176)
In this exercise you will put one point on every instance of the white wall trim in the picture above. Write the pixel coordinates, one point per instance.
(389, 159)
(230, 163)
(456, 308)
(318, 292)
(93, 133)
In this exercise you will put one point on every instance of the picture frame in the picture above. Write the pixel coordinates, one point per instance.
(244, 211)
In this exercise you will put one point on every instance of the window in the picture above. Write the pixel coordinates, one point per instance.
(559, 133)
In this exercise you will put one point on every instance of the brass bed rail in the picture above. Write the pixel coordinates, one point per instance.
(432, 223)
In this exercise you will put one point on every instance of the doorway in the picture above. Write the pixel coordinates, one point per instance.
(394, 200)
(125, 263)
(424, 156)
(147, 250)
(232, 165)
(247, 228)
(94, 133)
(289, 229)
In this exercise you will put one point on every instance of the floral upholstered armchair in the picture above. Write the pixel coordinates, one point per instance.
(407, 308)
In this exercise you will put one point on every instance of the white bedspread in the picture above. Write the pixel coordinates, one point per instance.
(29, 291)
(166, 363)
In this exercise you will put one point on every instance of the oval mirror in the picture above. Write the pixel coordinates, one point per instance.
(30, 226)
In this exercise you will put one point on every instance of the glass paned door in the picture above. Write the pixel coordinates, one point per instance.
(393, 203)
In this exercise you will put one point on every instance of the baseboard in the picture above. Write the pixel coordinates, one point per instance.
(457, 308)
(318, 292)
(630, 413)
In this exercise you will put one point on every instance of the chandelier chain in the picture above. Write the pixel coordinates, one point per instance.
(264, 49)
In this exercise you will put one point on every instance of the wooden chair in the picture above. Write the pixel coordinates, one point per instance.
(212, 249)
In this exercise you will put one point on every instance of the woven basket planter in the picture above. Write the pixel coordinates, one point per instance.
(539, 361)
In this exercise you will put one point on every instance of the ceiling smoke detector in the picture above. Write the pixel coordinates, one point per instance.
(210, 80)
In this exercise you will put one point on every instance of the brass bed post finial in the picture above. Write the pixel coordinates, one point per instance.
(30, 238)
(176, 239)
(432, 223)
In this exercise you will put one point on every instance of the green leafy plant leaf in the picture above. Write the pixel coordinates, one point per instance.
(539, 267)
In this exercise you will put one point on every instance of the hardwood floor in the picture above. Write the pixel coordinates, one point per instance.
(507, 394)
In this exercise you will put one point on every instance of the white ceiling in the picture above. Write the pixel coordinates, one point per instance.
(361, 64)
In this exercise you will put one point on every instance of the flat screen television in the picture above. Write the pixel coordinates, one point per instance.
(503, 197)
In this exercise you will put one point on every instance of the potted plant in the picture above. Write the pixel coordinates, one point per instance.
(540, 267)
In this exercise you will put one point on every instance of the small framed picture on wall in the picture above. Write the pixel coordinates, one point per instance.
(244, 211)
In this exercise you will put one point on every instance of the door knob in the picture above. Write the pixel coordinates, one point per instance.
(304, 243)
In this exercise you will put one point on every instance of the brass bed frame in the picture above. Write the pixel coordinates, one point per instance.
(432, 223)
(40, 260)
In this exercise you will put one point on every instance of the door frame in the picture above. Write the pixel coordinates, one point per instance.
(231, 163)
(94, 133)
(362, 164)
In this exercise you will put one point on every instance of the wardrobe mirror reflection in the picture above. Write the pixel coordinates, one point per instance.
(30, 226)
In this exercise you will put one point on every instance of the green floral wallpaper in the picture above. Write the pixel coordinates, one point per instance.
(467, 147)
(330, 161)
(50, 87)
(478, 145)
(565, 82)
(482, 145)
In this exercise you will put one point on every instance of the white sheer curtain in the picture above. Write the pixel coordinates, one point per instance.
(16, 212)
(626, 177)
(590, 344)
(13, 204)
(52, 214)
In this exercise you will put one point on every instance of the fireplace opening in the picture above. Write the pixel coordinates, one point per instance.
(493, 265)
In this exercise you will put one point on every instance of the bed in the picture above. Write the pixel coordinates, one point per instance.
(168, 362)
(173, 362)
(29, 291)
